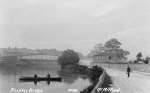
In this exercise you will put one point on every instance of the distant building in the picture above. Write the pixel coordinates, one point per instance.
(114, 57)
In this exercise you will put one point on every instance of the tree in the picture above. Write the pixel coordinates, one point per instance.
(81, 55)
(68, 57)
(98, 48)
(139, 56)
(146, 61)
(112, 44)
(113, 47)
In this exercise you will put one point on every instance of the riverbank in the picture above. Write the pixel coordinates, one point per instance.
(99, 80)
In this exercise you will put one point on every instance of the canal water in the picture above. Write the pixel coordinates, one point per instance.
(10, 73)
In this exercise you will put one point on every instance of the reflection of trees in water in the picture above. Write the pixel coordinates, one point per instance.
(72, 72)
(68, 78)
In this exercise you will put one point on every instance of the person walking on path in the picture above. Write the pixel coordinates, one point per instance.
(128, 71)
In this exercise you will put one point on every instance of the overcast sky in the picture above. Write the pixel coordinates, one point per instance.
(76, 24)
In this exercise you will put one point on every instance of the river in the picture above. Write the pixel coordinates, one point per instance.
(10, 73)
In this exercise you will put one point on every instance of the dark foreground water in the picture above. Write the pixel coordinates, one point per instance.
(10, 73)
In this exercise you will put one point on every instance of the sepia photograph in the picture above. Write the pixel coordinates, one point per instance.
(74, 46)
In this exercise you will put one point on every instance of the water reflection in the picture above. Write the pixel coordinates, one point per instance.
(71, 73)
(71, 78)
(68, 75)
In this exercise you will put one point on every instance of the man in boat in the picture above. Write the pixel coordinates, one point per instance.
(35, 79)
(48, 78)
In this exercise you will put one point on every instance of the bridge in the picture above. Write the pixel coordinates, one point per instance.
(31, 58)
(38, 57)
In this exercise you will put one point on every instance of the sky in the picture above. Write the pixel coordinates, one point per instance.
(75, 24)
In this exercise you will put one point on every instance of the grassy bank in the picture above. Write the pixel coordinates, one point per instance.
(96, 74)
